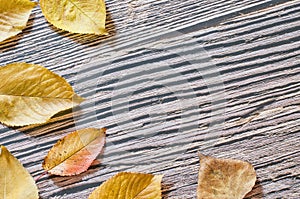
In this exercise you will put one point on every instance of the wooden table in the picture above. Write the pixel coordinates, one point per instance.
(171, 79)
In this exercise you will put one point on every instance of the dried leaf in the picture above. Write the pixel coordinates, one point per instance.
(224, 178)
(15, 181)
(76, 16)
(14, 15)
(130, 186)
(75, 152)
(31, 94)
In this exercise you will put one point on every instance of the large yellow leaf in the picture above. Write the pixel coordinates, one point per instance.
(31, 94)
(14, 15)
(75, 152)
(77, 16)
(15, 181)
(129, 186)
(224, 178)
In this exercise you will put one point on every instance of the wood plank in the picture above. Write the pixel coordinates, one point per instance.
(174, 77)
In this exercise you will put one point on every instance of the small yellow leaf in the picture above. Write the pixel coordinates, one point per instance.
(76, 16)
(224, 178)
(74, 153)
(14, 15)
(129, 186)
(31, 94)
(15, 181)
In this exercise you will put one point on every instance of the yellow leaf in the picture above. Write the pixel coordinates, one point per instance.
(15, 181)
(224, 178)
(77, 16)
(14, 15)
(75, 152)
(126, 185)
(31, 94)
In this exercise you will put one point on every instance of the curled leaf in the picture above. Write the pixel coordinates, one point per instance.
(130, 186)
(15, 181)
(74, 153)
(76, 16)
(31, 94)
(224, 178)
(14, 15)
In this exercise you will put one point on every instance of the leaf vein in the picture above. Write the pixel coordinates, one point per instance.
(83, 12)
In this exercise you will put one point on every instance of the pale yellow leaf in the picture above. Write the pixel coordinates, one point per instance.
(75, 152)
(126, 185)
(76, 16)
(31, 94)
(14, 15)
(224, 178)
(15, 181)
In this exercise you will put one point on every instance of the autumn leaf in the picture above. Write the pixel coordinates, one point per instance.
(15, 181)
(126, 185)
(76, 16)
(224, 178)
(14, 15)
(74, 153)
(31, 94)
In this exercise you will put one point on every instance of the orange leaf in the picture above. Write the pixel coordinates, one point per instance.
(74, 153)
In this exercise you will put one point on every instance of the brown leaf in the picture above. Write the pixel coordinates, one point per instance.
(75, 152)
(224, 178)
(126, 185)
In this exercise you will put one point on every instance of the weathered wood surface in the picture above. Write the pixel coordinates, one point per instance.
(172, 78)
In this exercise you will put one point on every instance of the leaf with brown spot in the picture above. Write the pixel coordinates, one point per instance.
(14, 15)
(224, 178)
(31, 94)
(127, 185)
(15, 181)
(74, 153)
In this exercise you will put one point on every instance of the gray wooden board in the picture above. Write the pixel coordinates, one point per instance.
(173, 78)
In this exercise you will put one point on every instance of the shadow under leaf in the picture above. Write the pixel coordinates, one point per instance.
(166, 189)
(256, 193)
(58, 124)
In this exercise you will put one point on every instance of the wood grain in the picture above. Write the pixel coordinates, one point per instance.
(173, 78)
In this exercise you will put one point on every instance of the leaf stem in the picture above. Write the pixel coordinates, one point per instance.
(40, 176)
